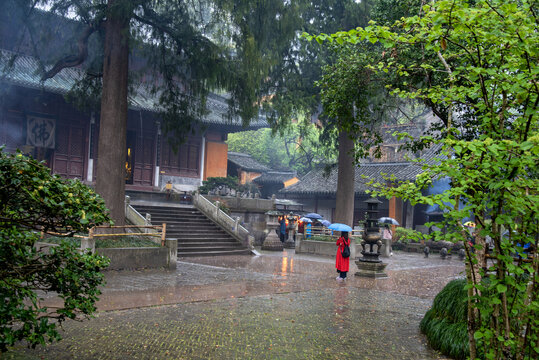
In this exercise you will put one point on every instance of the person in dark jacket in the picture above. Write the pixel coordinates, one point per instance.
(282, 233)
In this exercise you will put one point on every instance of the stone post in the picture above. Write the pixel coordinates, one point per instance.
(250, 242)
(172, 258)
(217, 203)
(299, 238)
(147, 222)
(127, 203)
(88, 243)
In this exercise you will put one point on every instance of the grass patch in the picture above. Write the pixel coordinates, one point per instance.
(445, 323)
(326, 238)
(104, 242)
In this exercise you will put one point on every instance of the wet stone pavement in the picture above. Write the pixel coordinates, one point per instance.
(273, 306)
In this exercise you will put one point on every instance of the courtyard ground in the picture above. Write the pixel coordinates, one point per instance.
(278, 305)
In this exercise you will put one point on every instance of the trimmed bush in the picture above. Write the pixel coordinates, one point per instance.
(445, 323)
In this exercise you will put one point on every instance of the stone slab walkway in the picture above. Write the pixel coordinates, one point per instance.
(272, 306)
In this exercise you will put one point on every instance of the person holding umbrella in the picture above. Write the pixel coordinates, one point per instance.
(387, 234)
(342, 262)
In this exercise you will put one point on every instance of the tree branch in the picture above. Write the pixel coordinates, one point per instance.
(73, 60)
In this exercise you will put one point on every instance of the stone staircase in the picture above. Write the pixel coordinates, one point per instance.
(197, 235)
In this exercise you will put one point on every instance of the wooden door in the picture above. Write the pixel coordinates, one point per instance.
(144, 160)
(69, 155)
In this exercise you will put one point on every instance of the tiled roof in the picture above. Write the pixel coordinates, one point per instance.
(246, 162)
(319, 182)
(274, 177)
(24, 71)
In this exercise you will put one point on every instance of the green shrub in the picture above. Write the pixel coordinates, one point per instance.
(33, 200)
(407, 236)
(213, 183)
(445, 324)
(326, 238)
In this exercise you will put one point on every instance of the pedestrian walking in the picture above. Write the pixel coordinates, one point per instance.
(282, 233)
(342, 263)
(387, 237)
(308, 230)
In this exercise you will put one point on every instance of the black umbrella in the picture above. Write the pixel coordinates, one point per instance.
(388, 220)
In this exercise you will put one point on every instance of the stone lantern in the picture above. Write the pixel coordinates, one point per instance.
(370, 264)
(272, 241)
(290, 241)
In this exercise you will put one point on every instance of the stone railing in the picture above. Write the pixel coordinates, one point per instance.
(221, 218)
(135, 218)
(326, 248)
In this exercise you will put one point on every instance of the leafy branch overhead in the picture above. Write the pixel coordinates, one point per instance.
(475, 64)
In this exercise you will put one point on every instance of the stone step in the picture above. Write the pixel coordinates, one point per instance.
(214, 253)
(197, 235)
(198, 230)
(170, 214)
(184, 244)
(208, 248)
(192, 240)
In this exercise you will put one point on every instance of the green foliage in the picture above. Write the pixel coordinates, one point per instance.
(32, 200)
(406, 235)
(445, 323)
(224, 208)
(213, 183)
(249, 189)
(478, 62)
(326, 238)
(297, 147)
(293, 95)
(354, 98)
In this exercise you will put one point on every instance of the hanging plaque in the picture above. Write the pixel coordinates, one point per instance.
(40, 132)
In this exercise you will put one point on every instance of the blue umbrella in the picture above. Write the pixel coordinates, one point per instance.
(304, 219)
(326, 223)
(340, 227)
(314, 216)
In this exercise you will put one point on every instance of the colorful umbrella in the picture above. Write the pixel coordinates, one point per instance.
(469, 224)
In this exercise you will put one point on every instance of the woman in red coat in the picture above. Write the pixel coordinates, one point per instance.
(342, 264)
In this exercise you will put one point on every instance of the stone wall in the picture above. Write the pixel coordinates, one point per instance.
(135, 258)
(326, 248)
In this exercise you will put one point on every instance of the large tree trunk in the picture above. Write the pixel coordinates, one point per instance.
(110, 177)
(344, 208)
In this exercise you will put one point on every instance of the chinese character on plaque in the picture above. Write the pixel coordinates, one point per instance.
(40, 132)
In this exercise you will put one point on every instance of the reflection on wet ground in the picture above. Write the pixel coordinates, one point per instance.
(274, 306)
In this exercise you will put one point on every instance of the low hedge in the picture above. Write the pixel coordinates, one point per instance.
(103, 242)
(445, 324)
